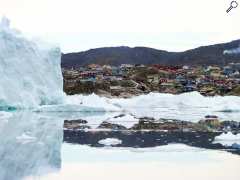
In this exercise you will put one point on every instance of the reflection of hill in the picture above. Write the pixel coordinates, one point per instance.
(30, 145)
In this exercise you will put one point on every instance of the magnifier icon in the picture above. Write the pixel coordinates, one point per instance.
(234, 4)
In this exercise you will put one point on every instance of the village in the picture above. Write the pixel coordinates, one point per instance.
(129, 80)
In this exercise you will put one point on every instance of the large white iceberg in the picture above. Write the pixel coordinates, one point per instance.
(30, 70)
(188, 106)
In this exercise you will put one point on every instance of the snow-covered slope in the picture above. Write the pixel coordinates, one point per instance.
(232, 51)
(30, 72)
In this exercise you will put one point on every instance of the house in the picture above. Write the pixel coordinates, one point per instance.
(235, 66)
(116, 90)
(153, 79)
(181, 79)
(116, 71)
(211, 121)
(206, 90)
(186, 67)
(190, 87)
(227, 70)
(140, 66)
(126, 66)
(93, 66)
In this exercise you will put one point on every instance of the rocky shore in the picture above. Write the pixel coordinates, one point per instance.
(209, 124)
(149, 132)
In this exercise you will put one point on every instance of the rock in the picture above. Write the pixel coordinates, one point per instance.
(107, 125)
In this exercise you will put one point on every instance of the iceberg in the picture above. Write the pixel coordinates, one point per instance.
(188, 106)
(30, 70)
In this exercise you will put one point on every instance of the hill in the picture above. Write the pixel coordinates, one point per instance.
(205, 55)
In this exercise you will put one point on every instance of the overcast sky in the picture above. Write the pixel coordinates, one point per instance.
(172, 25)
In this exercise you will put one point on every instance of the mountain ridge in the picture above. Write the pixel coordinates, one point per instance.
(203, 55)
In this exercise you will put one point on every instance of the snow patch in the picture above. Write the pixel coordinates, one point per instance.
(93, 101)
(232, 51)
(126, 120)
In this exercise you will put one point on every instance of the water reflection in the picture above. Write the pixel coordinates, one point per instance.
(165, 162)
(31, 141)
(30, 145)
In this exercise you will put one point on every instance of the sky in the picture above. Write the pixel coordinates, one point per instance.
(78, 25)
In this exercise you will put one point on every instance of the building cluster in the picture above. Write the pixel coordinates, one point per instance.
(138, 79)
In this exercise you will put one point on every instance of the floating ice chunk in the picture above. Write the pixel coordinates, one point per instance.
(110, 141)
(228, 139)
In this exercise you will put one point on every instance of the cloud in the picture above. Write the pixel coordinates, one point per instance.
(44, 17)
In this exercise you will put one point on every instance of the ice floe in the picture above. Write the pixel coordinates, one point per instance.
(228, 139)
(110, 141)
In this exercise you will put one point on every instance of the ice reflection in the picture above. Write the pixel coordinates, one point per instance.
(30, 142)
(30, 145)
